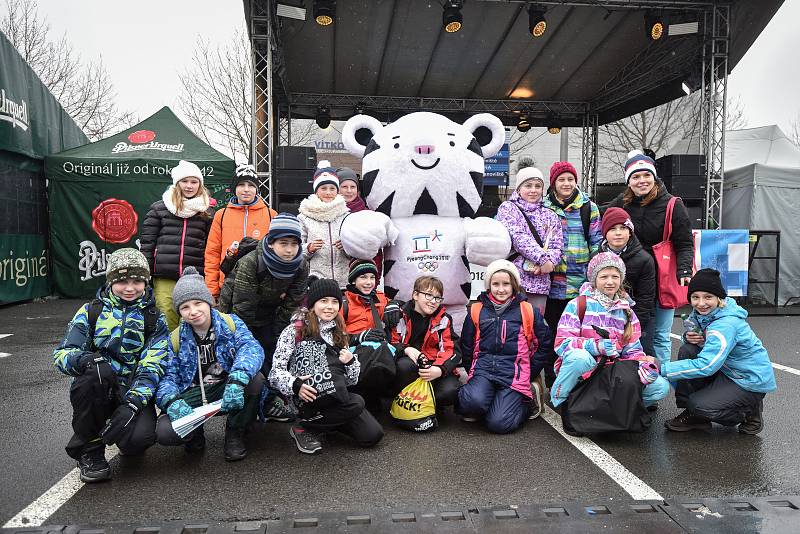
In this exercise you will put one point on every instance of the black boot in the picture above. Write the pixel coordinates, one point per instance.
(753, 423)
(234, 447)
(197, 443)
(93, 465)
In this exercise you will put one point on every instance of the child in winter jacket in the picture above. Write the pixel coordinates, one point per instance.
(115, 347)
(246, 215)
(360, 298)
(580, 346)
(723, 371)
(503, 350)
(212, 357)
(640, 269)
(321, 216)
(426, 330)
(314, 367)
(174, 234)
(536, 235)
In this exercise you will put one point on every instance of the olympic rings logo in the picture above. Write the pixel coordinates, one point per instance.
(428, 266)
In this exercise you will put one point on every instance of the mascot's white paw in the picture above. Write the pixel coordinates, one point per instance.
(486, 240)
(364, 233)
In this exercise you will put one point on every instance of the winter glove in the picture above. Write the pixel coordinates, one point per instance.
(373, 334)
(648, 372)
(392, 314)
(233, 396)
(177, 409)
(94, 362)
(122, 417)
(607, 347)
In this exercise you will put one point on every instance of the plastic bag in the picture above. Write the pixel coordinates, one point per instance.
(414, 408)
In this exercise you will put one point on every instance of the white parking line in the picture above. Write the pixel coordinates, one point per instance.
(633, 485)
(37, 512)
(775, 365)
(5, 335)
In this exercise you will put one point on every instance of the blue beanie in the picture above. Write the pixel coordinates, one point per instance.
(284, 225)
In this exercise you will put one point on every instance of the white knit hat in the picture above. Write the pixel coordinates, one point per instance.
(529, 173)
(500, 265)
(186, 169)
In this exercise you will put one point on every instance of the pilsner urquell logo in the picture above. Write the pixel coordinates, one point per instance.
(114, 221)
(10, 111)
(144, 140)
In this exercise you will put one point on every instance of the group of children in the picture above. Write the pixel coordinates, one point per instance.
(280, 339)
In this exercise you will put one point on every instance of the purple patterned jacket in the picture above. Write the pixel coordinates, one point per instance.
(548, 226)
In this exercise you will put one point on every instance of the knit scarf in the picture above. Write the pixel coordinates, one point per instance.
(357, 204)
(314, 208)
(278, 267)
(499, 307)
(191, 206)
(608, 302)
(326, 330)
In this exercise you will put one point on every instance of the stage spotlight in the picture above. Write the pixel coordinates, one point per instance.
(537, 24)
(451, 16)
(325, 12)
(323, 117)
(654, 25)
(554, 129)
(523, 125)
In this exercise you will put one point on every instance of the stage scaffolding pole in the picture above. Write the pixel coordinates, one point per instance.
(263, 114)
(588, 179)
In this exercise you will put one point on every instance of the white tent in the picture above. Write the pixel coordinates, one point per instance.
(762, 192)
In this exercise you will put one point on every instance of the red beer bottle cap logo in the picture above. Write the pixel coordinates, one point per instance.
(141, 136)
(114, 221)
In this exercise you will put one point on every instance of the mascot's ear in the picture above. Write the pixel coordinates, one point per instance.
(489, 132)
(358, 132)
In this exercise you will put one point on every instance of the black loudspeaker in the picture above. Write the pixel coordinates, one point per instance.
(286, 205)
(697, 212)
(296, 157)
(294, 182)
(605, 193)
(681, 165)
(686, 186)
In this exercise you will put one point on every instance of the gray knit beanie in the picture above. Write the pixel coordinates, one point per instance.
(190, 286)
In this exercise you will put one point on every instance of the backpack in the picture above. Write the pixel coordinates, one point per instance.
(175, 336)
(246, 245)
(525, 308)
(151, 314)
(226, 291)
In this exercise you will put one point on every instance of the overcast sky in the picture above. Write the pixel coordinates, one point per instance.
(146, 43)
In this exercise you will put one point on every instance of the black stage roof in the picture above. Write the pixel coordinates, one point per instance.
(391, 57)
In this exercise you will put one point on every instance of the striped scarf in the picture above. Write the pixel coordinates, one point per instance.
(278, 267)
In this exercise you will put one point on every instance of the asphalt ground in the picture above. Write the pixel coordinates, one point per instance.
(459, 466)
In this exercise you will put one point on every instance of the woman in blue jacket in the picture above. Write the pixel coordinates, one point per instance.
(723, 371)
(213, 356)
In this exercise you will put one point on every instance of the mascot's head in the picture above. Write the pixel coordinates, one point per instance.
(424, 163)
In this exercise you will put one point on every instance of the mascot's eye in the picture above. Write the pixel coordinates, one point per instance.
(397, 145)
(452, 143)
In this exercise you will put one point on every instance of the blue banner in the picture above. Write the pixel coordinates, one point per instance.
(496, 168)
(727, 251)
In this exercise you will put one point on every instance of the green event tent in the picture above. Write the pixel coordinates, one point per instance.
(100, 193)
(32, 125)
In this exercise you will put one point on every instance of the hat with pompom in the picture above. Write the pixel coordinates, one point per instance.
(638, 162)
(190, 286)
(325, 174)
(602, 261)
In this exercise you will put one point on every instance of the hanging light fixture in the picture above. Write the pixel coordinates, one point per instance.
(655, 25)
(325, 12)
(451, 15)
(537, 24)
(523, 125)
(323, 118)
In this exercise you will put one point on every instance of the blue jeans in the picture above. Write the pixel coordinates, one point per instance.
(578, 361)
(662, 328)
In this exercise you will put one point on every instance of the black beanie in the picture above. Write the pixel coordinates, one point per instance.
(321, 288)
(707, 280)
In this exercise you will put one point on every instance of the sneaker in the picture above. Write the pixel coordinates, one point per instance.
(307, 442)
(276, 410)
(687, 421)
(197, 443)
(753, 423)
(94, 466)
(234, 447)
(537, 387)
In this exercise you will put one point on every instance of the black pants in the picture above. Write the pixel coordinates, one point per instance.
(193, 397)
(265, 335)
(349, 418)
(716, 397)
(94, 396)
(552, 314)
(445, 388)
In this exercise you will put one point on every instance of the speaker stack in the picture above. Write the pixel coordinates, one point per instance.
(294, 176)
(684, 175)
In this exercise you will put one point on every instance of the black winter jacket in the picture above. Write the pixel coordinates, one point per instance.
(640, 279)
(171, 243)
(648, 223)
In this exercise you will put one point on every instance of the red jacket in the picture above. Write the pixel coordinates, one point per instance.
(356, 313)
(440, 344)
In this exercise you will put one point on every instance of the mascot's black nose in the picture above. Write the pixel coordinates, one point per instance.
(425, 149)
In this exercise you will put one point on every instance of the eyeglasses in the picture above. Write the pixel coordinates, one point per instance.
(431, 298)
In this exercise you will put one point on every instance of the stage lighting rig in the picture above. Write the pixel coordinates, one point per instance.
(655, 24)
(537, 24)
(452, 18)
(523, 125)
(325, 12)
(323, 118)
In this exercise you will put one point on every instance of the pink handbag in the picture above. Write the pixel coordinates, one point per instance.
(671, 294)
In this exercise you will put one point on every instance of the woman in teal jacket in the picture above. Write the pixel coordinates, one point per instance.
(723, 371)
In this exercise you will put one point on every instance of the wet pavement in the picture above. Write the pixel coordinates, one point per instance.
(459, 467)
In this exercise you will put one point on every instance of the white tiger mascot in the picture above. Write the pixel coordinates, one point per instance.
(423, 180)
